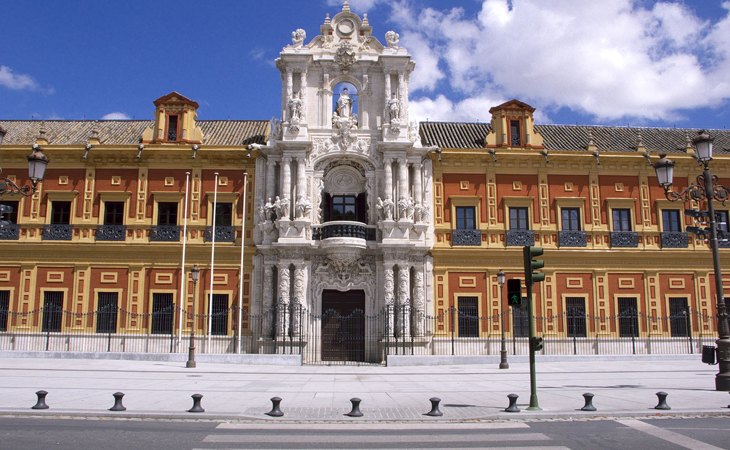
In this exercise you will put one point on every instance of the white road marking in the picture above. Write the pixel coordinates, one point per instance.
(669, 436)
(372, 426)
(252, 438)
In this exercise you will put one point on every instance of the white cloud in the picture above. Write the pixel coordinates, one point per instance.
(18, 81)
(357, 5)
(611, 59)
(115, 116)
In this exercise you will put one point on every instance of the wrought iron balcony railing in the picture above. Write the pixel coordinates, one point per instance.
(343, 229)
(222, 234)
(57, 232)
(9, 231)
(624, 239)
(574, 238)
(675, 239)
(466, 237)
(111, 233)
(165, 233)
(520, 237)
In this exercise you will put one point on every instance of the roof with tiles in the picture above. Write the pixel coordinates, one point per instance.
(128, 132)
(575, 137)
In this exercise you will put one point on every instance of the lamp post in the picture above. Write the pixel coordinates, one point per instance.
(195, 274)
(37, 162)
(705, 188)
(503, 364)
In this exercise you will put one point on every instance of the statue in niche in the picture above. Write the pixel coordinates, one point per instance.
(388, 209)
(391, 38)
(303, 208)
(380, 208)
(394, 108)
(295, 107)
(263, 214)
(418, 213)
(344, 104)
(297, 37)
(282, 207)
(270, 209)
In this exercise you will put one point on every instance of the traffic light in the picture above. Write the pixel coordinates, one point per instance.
(536, 343)
(531, 265)
(514, 292)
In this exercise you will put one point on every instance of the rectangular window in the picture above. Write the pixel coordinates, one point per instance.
(570, 219)
(219, 319)
(621, 219)
(113, 213)
(60, 213)
(466, 218)
(4, 310)
(223, 214)
(518, 219)
(575, 316)
(628, 320)
(468, 317)
(9, 211)
(106, 317)
(520, 320)
(162, 313)
(52, 311)
(670, 220)
(721, 221)
(514, 133)
(167, 213)
(679, 320)
(172, 122)
(343, 207)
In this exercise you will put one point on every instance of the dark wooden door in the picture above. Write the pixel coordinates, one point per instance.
(343, 326)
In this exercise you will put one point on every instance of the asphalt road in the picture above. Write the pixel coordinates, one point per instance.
(109, 434)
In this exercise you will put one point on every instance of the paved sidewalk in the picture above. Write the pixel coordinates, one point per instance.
(84, 387)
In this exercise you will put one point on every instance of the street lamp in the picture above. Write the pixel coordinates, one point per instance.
(195, 274)
(503, 364)
(37, 163)
(707, 189)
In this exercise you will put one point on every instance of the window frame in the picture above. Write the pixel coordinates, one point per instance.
(671, 224)
(526, 210)
(157, 321)
(575, 324)
(625, 322)
(461, 221)
(468, 326)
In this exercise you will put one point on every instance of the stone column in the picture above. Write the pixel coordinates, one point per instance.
(301, 188)
(267, 315)
(417, 184)
(303, 91)
(270, 181)
(403, 195)
(403, 80)
(403, 325)
(387, 96)
(289, 83)
(300, 296)
(388, 168)
(282, 315)
(285, 186)
(389, 297)
(419, 302)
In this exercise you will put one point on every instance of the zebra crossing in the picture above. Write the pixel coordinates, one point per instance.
(376, 435)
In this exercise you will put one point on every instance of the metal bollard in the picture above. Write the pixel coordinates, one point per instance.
(355, 411)
(196, 404)
(435, 411)
(512, 403)
(118, 402)
(41, 403)
(275, 410)
(662, 396)
(589, 402)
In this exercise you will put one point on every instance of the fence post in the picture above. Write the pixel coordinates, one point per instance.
(451, 325)
(689, 329)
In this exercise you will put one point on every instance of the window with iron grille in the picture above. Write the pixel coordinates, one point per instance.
(515, 134)
(219, 318)
(628, 319)
(162, 313)
(344, 207)
(60, 213)
(52, 311)
(570, 219)
(466, 218)
(721, 221)
(521, 320)
(679, 319)
(468, 316)
(621, 219)
(167, 213)
(575, 316)
(10, 212)
(4, 310)
(671, 220)
(223, 214)
(518, 219)
(172, 124)
(106, 317)
(113, 213)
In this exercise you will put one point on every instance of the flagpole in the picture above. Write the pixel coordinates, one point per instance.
(212, 262)
(183, 277)
(240, 276)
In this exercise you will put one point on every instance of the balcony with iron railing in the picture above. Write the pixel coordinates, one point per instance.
(343, 230)
(111, 233)
(165, 233)
(222, 234)
(57, 232)
(466, 238)
(9, 231)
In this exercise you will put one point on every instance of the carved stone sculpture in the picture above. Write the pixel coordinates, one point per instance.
(297, 37)
(391, 38)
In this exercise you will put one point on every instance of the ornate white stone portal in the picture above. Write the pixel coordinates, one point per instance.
(344, 203)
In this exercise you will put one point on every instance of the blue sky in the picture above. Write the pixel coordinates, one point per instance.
(618, 62)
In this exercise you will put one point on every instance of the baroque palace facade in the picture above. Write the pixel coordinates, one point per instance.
(345, 207)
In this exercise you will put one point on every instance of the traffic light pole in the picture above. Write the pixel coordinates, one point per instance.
(534, 404)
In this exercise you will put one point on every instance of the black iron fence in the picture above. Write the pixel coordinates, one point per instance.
(357, 338)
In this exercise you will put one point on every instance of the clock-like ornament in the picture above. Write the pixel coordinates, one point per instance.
(346, 27)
